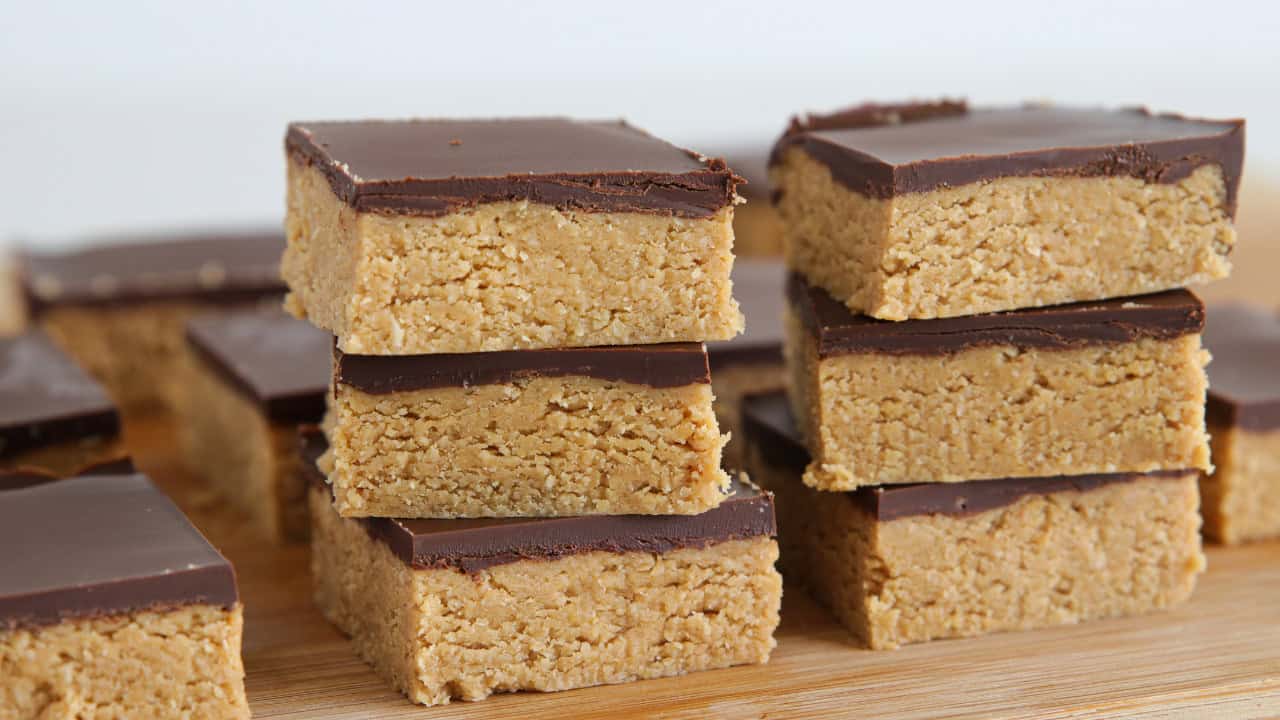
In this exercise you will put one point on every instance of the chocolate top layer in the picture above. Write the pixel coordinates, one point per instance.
(760, 289)
(45, 398)
(1244, 377)
(223, 268)
(661, 366)
(1060, 327)
(473, 545)
(952, 147)
(769, 425)
(279, 362)
(433, 167)
(102, 545)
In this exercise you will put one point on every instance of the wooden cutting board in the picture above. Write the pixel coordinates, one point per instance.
(1216, 657)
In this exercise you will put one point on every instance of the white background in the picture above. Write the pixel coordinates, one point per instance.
(117, 116)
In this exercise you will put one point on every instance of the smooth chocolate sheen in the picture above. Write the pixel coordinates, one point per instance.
(759, 286)
(1244, 377)
(435, 167)
(45, 398)
(213, 268)
(102, 545)
(278, 362)
(659, 366)
(952, 147)
(838, 331)
(473, 545)
(769, 426)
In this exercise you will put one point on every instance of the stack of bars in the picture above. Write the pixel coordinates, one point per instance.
(996, 384)
(518, 486)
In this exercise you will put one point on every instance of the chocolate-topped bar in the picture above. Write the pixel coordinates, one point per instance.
(120, 307)
(458, 236)
(1082, 389)
(568, 431)
(85, 556)
(53, 416)
(1241, 498)
(251, 378)
(547, 578)
(910, 563)
(918, 211)
(757, 229)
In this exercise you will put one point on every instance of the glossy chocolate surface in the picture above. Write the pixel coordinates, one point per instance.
(1244, 377)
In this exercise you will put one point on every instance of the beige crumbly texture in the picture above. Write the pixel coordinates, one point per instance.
(252, 462)
(134, 350)
(67, 458)
(503, 276)
(757, 229)
(181, 663)
(590, 619)
(1240, 499)
(731, 385)
(1122, 549)
(13, 311)
(535, 447)
(996, 412)
(1001, 244)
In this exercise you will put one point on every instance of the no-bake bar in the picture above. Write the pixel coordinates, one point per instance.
(53, 416)
(1100, 387)
(1241, 497)
(13, 313)
(121, 308)
(461, 609)
(952, 211)
(252, 378)
(757, 228)
(910, 563)
(626, 429)
(458, 236)
(113, 606)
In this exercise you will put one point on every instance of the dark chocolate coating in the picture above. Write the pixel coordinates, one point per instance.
(471, 545)
(953, 148)
(435, 167)
(21, 477)
(277, 361)
(769, 425)
(102, 545)
(838, 331)
(215, 268)
(659, 366)
(45, 398)
(1244, 377)
(759, 286)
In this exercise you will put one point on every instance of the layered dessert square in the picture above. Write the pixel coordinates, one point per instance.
(252, 378)
(570, 431)
(461, 609)
(113, 606)
(1101, 387)
(53, 416)
(120, 308)
(458, 236)
(1241, 497)
(948, 211)
(910, 563)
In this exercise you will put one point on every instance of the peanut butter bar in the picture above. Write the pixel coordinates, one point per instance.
(910, 563)
(459, 236)
(937, 210)
(1102, 387)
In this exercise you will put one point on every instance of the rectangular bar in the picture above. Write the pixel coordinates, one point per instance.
(933, 210)
(1240, 499)
(113, 605)
(459, 236)
(53, 416)
(615, 430)
(121, 308)
(912, 563)
(1102, 387)
(250, 380)
(460, 609)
